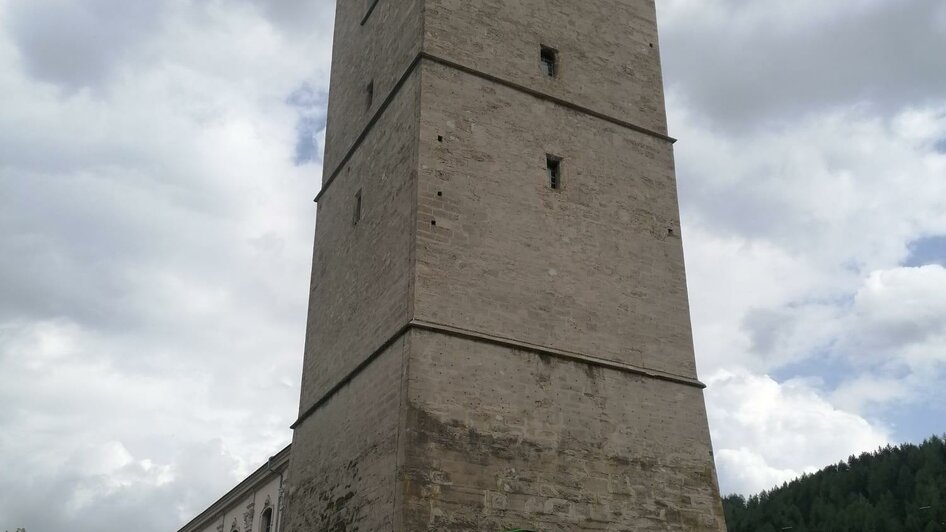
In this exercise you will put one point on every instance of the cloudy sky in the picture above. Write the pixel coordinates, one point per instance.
(158, 159)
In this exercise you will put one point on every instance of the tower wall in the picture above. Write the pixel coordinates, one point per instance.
(484, 352)
(607, 64)
(594, 269)
(500, 438)
(344, 461)
(361, 273)
(378, 47)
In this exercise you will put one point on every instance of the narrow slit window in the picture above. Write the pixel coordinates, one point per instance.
(548, 59)
(369, 90)
(356, 215)
(554, 166)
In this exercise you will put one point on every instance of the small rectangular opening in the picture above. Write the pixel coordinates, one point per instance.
(548, 58)
(356, 217)
(554, 166)
(370, 93)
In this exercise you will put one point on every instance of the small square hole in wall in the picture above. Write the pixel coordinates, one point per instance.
(369, 94)
(548, 59)
(356, 214)
(553, 165)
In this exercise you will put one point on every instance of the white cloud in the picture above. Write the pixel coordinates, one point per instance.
(846, 190)
(795, 237)
(865, 392)
(784, 226)
(896, 330)
(729, 278)
(155, 257)
(902, 308)
(766, 433)
(745, 471)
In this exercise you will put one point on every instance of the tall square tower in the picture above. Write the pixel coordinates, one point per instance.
(498, 331)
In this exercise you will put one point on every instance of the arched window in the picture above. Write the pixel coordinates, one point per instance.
(266, 521)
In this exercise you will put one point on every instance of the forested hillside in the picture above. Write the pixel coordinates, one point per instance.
(895, 489)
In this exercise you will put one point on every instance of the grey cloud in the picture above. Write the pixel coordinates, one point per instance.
(887, 57)
(764, 326)
(76, 244)
(77, 43)
(794, 334)
(144, 232)
(299, 15)
(36, 498)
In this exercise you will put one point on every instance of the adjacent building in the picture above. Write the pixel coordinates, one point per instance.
(254, 505)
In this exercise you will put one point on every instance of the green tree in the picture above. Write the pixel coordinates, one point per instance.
(894, 489)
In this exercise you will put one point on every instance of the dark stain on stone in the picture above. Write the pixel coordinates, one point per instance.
(339, 507)
(451, 482)
(635, 463)
(456, 435)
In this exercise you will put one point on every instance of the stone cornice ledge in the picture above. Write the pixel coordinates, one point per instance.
(495, 340)
(425, 56)
(559, 353)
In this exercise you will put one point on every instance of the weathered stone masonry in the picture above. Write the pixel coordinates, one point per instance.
(485, 352)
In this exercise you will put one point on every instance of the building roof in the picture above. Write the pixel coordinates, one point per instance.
(275, 465)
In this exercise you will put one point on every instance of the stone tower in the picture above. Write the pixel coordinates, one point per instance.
(498, 333)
